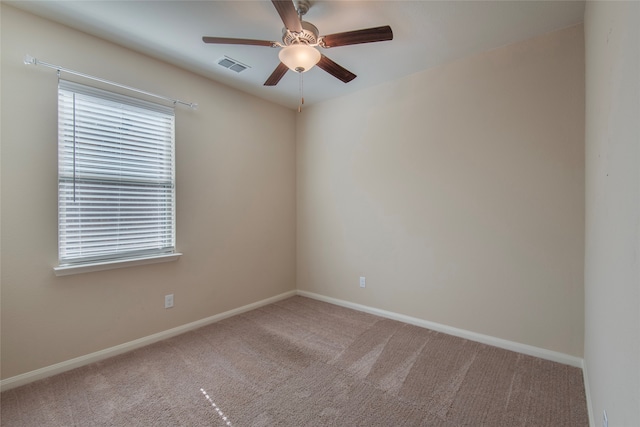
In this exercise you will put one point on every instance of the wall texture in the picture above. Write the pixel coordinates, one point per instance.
(458, 192)
(612, 253)
(235, 162)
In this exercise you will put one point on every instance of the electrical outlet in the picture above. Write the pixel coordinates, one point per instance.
(168, 301)
(363, 282)
(605, 420)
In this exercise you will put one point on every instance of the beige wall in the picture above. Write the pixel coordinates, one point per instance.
(458, 192)
(235, 204)
(612, 260)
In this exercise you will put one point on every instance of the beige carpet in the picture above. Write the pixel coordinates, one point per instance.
(301, 362)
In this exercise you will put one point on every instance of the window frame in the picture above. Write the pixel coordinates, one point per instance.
(163, 183)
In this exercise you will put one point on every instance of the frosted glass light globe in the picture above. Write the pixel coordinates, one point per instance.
(299, 57)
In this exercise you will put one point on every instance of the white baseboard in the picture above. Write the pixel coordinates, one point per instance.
(77, 362)
(462, 333)
(587, 392)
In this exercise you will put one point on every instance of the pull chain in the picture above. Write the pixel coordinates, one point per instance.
(301, 95)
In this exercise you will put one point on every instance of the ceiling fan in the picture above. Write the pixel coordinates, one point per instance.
(299, 41)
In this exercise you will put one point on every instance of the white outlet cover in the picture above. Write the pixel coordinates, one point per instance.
(168, 301)
(363, 282)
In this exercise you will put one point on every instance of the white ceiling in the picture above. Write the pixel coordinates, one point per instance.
(426, 34)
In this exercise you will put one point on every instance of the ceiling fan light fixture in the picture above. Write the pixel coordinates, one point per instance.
(299, 57)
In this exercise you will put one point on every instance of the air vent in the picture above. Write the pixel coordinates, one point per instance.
(232, 64)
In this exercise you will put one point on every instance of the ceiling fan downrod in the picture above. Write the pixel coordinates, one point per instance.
(302, 7)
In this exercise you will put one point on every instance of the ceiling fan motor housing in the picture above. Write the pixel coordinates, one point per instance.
(308, 35)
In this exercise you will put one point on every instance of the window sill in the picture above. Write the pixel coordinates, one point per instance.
(109, 265)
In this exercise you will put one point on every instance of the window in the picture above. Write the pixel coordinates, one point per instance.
(116, 180)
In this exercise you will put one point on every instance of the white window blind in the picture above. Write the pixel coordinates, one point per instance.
(116, 179)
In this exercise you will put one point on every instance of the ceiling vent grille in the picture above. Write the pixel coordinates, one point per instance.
(232, 64)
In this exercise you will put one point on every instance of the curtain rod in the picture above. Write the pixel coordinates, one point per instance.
(30, 60)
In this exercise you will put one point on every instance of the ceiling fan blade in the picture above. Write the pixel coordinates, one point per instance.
(368, 35)
(287, 11)
(226, 40)
(277, 74)
(335, 70)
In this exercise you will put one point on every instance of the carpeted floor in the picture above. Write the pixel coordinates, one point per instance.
(301, 362)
